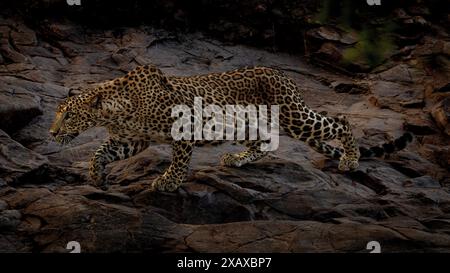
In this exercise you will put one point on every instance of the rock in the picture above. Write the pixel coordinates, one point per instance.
(330, 52)
(349, 38)
(289, 236)
(443, 89)
(17, 107)
(413, 165)
(9, 219)
(147, 164)
(16, 160)
(10, 243)
(395, 95)
(350, 87)
(3, 205)
(10, 55)
(23, 36)
(420, 125)
(438, 154)
(422, 182)
(417, 103)
(197, 204)
(441, 115)
(401, 73)
(324, 33)
(437, 224)
(328, 33)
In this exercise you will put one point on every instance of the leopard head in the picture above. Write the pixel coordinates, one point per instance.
(75, 115)
(109, 103)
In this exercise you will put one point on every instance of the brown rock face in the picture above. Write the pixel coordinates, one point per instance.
(294, 200)
(441, 114)
(16, 160)
(17, 109)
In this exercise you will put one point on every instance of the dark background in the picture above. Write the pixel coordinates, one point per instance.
(271, 23)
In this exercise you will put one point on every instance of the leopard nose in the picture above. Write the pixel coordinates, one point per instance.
(54, 132)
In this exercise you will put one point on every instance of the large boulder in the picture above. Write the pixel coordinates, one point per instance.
(17, 105)
(16, 160)
(441, 114)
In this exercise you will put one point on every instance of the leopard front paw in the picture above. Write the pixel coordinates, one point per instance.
(97, 179)
(165, 183)
(347, 163)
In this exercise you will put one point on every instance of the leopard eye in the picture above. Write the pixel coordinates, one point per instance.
(68, 115)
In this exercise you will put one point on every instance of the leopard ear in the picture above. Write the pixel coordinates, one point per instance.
(164, 82)
(94, 103)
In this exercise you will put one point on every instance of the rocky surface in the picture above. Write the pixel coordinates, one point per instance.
(295, 200)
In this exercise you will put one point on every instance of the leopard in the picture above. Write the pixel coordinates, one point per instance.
(136, 110)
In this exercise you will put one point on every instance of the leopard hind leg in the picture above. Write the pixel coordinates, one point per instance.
(304, 124)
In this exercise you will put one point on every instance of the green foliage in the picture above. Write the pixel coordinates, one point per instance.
(374, 39)
(324, 12)
(373, 46)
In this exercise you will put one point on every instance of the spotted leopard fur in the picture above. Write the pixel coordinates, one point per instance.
(136, 110)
